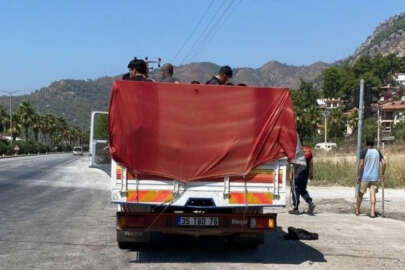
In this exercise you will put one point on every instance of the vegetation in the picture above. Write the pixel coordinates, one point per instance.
(392, 28)
(40, 133)
(343, 82)
(343, 172)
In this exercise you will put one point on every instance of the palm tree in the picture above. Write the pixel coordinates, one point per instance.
(4, 119)
(48, 127)
(60, 130)
(36, 126)
(25, 116)
(16, 130)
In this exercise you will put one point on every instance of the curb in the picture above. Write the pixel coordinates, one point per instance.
(30, 155)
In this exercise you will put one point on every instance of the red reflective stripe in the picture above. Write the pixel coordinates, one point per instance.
(262, 197)
(238, 197)
(163, 196)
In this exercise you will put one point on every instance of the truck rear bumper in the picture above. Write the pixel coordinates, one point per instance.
(168, 223)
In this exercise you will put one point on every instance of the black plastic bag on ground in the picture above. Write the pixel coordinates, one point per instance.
(300, 234)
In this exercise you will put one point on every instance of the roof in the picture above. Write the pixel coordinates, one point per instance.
(393, 106)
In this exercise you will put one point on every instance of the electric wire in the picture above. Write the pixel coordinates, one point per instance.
(203, 16)
(204, 32)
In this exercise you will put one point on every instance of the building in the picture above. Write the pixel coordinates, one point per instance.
(329, 103)
(400, 78)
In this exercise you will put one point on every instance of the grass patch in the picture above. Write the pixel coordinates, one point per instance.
(343, 173)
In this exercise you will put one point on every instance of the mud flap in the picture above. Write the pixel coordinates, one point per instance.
(128, 239)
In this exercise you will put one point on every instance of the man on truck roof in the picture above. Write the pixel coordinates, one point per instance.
(167, 74)
(137, 71)
(223, 76)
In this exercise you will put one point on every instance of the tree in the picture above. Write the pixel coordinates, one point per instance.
(25, 116)
(4, 120)
(36, 126)
(332, 82)
(336, 123)
(352, 120)
(306, 110)
(399, 131)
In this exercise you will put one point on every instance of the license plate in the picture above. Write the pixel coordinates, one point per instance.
(197, 221)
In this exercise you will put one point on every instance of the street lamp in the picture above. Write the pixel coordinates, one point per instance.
(10, 93)
(325, 114)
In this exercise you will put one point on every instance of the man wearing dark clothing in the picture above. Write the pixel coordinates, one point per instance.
(137, 71)
(224, 74)
(300, 174)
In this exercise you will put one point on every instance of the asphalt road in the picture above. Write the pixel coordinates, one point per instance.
(55, 213)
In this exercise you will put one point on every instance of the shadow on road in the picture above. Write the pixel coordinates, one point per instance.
(179, 249)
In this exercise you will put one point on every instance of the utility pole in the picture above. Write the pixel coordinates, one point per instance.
(359, 132)
(326, 129)
(378, 126)
(10, 93)
(326, 125)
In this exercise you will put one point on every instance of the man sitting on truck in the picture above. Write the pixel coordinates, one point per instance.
(224, 74)
(137, 71)
(167, 74)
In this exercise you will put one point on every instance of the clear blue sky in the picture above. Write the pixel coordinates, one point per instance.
(43, 41)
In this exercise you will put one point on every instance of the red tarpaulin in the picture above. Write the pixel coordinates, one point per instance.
(189, 131)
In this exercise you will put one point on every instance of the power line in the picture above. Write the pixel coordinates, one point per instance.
(215, 27)
(194, 30)
(224, 21)
(205, 31)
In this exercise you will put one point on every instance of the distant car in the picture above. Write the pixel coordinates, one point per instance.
(325, 146)
(77, 150)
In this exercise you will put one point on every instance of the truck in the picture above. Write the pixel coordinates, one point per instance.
(240, 207)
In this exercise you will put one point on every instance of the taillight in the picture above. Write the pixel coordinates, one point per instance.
(118, 172)
(131, 222)
(262, 223)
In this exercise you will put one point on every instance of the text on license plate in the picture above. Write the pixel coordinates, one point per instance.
(197, 221)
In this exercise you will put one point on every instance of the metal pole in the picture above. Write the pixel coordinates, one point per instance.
(326, 123)
(359, 132)
(378, 126)
(11, 122)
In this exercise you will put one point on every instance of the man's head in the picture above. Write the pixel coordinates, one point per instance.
(370, 141)
(137, 66)
(224, 74)
(167, 70)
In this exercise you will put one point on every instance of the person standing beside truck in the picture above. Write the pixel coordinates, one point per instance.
(368, 174)
(223, 76)
(299, 176)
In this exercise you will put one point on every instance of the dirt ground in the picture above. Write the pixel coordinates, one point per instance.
(341, 200)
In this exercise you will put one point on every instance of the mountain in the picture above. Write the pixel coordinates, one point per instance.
(75, 99)
(388, 37)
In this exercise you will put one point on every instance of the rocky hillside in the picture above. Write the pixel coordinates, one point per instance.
(388, 37)
(75, 99)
